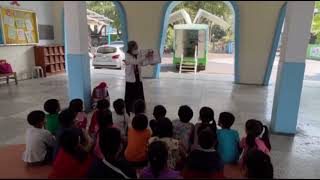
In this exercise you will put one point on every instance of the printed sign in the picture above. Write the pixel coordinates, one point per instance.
(8, 20)
(20, 23)
(21, 35)
(11, 33)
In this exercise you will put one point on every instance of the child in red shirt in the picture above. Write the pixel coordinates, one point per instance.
(102, 105)
(72, 160)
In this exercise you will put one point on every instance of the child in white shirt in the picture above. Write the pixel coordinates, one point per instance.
(39, 141)
(120, 117)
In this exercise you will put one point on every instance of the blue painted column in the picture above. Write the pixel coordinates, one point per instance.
(76, 47)
(291, 67)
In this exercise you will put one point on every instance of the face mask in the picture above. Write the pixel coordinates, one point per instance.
(135, 52)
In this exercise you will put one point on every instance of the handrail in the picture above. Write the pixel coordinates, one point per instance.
(195, 59)
(181, 62)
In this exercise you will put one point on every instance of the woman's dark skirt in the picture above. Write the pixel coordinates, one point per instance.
(133, 92)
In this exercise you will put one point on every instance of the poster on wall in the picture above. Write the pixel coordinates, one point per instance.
(18, 26)
(8, 20)
(12, 33)
(29, 24)
(21, 35)
(19, 22)
(29, 36)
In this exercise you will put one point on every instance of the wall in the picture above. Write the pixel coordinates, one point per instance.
(144, 25)
(257, 26)
(22, 57)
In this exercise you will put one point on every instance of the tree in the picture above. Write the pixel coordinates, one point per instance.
(218, 33)
(315, 28)
(170, 37)
(107, 9)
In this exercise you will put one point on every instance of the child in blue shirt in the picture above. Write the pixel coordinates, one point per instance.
(228, 139)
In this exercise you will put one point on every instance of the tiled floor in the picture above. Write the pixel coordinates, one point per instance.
(293, 157)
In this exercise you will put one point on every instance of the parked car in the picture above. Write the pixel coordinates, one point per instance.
(108, 56)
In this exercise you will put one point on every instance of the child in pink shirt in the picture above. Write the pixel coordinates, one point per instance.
(76, 105)
(105, 121)
(257, 138)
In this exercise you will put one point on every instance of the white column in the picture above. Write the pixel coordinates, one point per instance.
(76, 44)
(291, 66)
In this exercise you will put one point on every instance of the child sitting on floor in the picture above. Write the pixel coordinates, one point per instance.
(72, 160)
(66, 122)
(182, 128)
(76, 105)
(204, 162)
(100, 92)
(139, 107)
(159, 112)
(102, 105)
(228, 139)
(112, 166)
(258, 165)
(104, 121)
(120, 117)
(39, 142)
(52, 107)
(158, 165)
(206, 116)
(176, 151)
(138, 136)
(257, 138)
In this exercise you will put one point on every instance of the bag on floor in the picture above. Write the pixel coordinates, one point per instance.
(5, 67)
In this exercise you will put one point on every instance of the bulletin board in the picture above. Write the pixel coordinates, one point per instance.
(18, 27)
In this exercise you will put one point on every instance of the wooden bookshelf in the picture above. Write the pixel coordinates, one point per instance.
(50, 58)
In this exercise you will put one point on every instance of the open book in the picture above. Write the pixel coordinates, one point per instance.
(155, 59)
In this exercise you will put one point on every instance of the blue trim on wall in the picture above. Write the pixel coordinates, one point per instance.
(79, 82)
(167, 9)
(237, 41)
(123, 22)
(275, 44)
(287, 97)
(1, 38)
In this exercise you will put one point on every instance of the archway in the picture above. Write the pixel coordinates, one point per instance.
(167, 10)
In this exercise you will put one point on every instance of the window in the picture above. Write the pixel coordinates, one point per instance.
(106, 50)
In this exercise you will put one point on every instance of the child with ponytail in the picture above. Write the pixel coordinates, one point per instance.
(257, 138)
(206, 118)
(158, 168)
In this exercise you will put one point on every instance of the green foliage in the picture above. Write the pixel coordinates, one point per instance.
(106, 8)
(315, 28)
(170, 38)
(218, 33)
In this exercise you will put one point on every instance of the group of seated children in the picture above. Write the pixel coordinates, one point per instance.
(127, 145)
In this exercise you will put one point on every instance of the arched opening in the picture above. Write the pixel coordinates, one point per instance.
(170, 6)
(107, 36)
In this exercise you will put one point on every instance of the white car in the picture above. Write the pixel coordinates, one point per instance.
(108, 56)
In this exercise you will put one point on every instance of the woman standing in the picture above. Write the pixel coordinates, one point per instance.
(134, 87)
